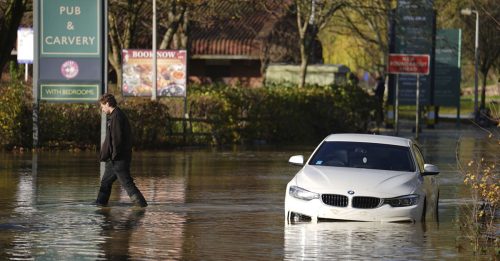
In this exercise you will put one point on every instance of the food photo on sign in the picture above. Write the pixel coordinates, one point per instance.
(137, 73)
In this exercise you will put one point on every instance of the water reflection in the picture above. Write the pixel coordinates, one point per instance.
(117, 230)
(204, 205)
(47, 212)
(55, 233)
(356, 241)
(130, 235)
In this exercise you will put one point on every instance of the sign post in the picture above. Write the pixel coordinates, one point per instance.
(414, 27)
(415, 64)
(71, 57)
(396, 107)
(70, 60)
(417, 108)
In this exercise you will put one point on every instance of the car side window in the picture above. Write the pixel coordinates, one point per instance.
(419, 158)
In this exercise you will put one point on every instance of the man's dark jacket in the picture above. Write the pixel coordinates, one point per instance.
(118, 142)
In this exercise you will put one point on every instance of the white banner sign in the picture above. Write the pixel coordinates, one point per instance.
(25, 45)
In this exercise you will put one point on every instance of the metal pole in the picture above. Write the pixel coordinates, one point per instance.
(396, 107)
(25, 72)
(184, 121)
(476, 58)
(153, 97)
(35, 72)
(106, 47)
(34, 176)
(417, 118)
(104, 36)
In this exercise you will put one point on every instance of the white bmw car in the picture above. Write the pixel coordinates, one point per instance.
(362, 177)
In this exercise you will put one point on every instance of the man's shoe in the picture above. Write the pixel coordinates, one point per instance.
(99, 204)
(139, 200)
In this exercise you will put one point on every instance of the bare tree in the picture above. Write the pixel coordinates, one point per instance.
(312, 16)
(123, 30)
(130, 26)
(368, 22)
(173, 18)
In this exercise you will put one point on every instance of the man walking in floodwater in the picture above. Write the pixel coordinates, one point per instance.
(116, 151)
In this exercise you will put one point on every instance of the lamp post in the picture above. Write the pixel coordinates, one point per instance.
(154, 56)
(468, 11)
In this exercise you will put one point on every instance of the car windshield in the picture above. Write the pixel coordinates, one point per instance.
(363, 155)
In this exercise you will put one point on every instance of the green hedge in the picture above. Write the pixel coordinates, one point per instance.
(223, 114)
(280, 115)
(15, 112)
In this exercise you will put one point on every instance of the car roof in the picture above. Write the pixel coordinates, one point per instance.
(370, 138)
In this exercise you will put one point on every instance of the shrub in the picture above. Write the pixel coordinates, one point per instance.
(279, 115)
(15, 113)
(149, 121)
(218, 114)
(479, 225)
(69, 125)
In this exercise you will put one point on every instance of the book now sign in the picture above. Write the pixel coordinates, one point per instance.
(408, 64)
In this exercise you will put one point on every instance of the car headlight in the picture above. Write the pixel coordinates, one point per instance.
(300, 193)
(403, 201)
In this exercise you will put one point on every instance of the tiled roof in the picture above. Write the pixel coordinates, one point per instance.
(239, 35)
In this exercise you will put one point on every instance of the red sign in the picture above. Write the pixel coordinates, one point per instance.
(408, 63)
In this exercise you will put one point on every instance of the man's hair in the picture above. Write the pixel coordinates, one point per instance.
(109, 99)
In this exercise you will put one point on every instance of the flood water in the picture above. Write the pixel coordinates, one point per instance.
(207, 204)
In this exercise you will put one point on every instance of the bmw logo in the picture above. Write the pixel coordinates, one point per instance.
(350, 192)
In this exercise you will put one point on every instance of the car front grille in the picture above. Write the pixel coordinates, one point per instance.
(365, 202)
(335, 200)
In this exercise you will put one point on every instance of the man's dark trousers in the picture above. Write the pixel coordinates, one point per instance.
(120, 170)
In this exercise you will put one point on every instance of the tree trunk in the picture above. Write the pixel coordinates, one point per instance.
(175, 18)
(8, 29)
(115, 49)
(483, 91)
(120, 35)
(302, 24)
(303, 65)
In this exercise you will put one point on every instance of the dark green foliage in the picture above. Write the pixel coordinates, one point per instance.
(15, 111)
(218, 115)
(149, 122)
(279, 115)
(69, 125)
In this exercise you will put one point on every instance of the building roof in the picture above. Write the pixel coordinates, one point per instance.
(231, 30)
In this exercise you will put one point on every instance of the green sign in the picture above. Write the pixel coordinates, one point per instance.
(65, 92)
(70, 40)
(70, 27)
(414, 23)
(447, 68)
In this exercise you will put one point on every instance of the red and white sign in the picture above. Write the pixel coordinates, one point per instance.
(69, 69)
(171, 75)
(408, 63)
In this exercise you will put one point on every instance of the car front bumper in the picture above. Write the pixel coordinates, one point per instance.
(316, 210)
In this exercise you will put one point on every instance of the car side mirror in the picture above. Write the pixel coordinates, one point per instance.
(430, 170)
(296, 160)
